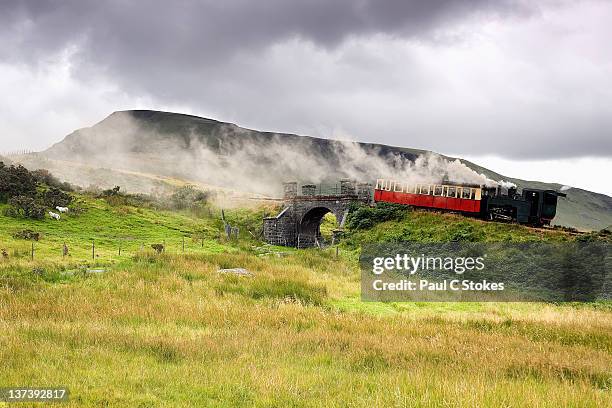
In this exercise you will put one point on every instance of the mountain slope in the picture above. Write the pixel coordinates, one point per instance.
(5, 160)
(224, 154)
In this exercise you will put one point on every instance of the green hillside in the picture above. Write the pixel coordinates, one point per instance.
(147, 329)
(170, 145)
(108, 227)
(123, 223)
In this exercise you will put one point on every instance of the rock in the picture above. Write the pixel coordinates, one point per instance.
(236, 271)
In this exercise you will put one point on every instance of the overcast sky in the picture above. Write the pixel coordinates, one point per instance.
(496, 81)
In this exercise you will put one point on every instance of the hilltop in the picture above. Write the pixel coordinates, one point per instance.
(145, 149)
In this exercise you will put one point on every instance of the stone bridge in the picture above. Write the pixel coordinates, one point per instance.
(298, 224)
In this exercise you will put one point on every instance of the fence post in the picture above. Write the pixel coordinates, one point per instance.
(119, 248)
(32, 250)
(93, 250)
(183, 243)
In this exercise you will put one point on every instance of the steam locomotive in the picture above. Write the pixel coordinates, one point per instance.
(532, 207)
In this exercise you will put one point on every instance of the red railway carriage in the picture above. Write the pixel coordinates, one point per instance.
(446, 197)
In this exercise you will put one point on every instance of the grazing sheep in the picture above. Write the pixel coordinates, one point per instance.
(62, 209)
(54, 215)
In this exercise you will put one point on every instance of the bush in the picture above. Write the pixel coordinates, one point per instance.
(27, 234)
(364, 217)
(45, 177)
(16, 181)
(159, 248)
(56, 198)
(111, 192)
(593, 236)
(26, 207)
(187, 197)
(465, 232)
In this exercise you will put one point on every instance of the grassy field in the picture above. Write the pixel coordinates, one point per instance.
(170, 330)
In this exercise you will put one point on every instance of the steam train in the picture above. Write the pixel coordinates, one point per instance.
(532, 207)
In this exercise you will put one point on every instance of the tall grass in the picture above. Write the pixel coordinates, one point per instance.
(171, 330)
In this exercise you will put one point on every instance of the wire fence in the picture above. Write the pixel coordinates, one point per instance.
(107, 248)
(21, 152)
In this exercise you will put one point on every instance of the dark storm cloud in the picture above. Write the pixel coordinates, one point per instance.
(189, 30)
(308, 65)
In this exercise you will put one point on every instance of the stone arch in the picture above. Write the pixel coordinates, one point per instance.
(309, 225)
(298, 224)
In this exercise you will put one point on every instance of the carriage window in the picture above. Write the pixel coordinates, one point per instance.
(425, 189)
(467, 193)
(437, 190)
(452, 192)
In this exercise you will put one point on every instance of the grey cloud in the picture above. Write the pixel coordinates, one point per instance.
(315, 66)
(189, 29)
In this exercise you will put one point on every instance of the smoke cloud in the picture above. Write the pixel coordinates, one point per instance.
(242, 160)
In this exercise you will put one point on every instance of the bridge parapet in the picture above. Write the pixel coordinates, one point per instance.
(299, 222)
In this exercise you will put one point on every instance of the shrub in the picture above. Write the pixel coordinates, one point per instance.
(187, 197)
(365, 217)
(159, 248)
(27, 234)
(56, 198)
(16, 181)
(465, 232)
(24, 206)
(111, 192)
(45, 177)
(593, 236)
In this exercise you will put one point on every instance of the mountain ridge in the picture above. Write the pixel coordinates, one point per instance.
(195, 148)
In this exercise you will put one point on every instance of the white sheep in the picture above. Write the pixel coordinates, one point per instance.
(62, 209)
(54, 215)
